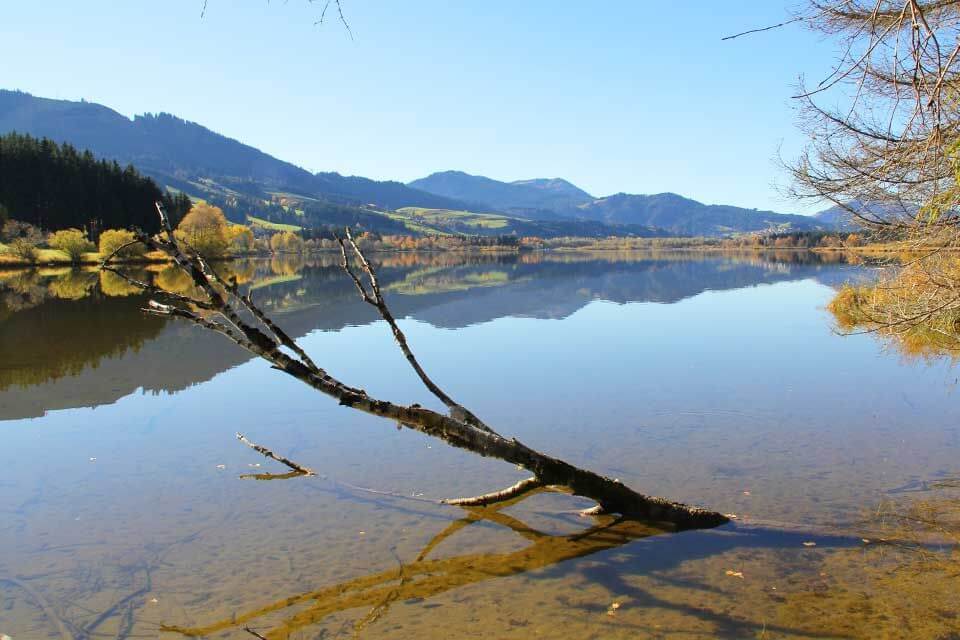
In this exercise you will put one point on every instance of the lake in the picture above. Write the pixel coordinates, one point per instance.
(715, 379)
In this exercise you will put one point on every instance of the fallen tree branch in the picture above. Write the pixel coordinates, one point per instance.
(270, 454)
(461, 430)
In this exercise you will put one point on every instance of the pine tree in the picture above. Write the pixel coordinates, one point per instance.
(57, 187)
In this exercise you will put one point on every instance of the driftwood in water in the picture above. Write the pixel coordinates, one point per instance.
(223, 309)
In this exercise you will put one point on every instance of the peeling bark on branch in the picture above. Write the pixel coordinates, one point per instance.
(460, 429)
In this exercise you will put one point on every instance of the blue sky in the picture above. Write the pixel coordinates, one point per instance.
(615, 96)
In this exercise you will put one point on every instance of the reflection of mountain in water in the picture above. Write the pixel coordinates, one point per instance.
(85, 348)
(556, 290)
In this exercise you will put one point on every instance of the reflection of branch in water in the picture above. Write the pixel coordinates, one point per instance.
(378, 611)
(42, 603)
(424, 578)
(118, 608)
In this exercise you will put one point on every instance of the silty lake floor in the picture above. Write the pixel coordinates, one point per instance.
(710, 379)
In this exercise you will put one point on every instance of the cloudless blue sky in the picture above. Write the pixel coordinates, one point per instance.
(614, 96)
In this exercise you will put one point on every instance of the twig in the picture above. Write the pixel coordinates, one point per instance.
(761, 29)
(270, 454)
(254, 633)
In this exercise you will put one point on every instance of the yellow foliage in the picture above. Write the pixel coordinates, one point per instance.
(243, 271)
(73, 285)
(204, 229)
(72, 242)
(113, 285)
(173, 279)
(915, 307)
(113, 239)
(286, 242)
(240, 238)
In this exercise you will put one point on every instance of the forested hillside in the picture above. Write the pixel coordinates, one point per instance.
(55, 186)
(176, 152)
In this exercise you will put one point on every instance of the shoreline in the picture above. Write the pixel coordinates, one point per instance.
(11, 262)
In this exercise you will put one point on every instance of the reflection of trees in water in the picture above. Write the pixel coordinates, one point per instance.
(287, 264)
(445, 289)
(63, 325)
(113, 285)
(73, 284)
(171, 278)
(20, 290)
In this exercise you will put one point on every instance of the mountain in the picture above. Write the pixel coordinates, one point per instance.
(557, 199)
(522, 196)
(687, 217)
(842, 218)
(248, 182)
(178, 152)
(837, 217)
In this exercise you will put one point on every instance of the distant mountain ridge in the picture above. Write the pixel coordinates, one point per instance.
(192, 158)
(534, 195)
(683, 216)
(559, 198)
(850, 216)
(171, 149)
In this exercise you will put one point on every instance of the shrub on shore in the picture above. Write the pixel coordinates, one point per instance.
(113, 239)
(286, 242)
(22, 239)
(72, 242)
